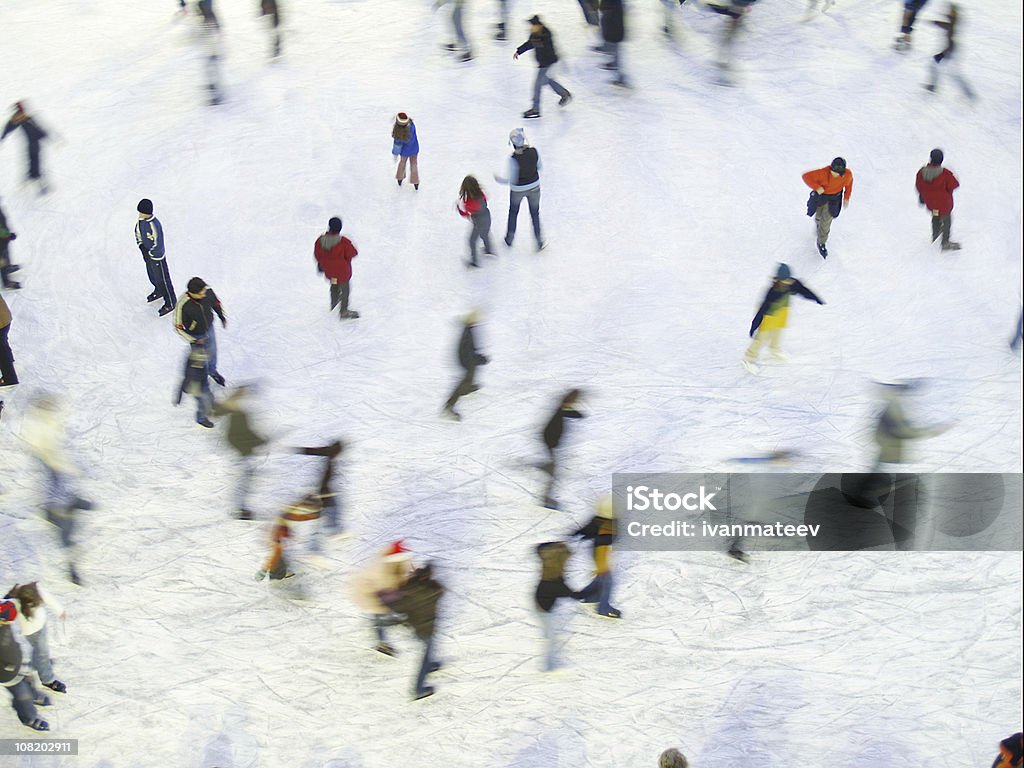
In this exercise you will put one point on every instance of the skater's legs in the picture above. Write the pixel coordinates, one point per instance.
(414, 170)
(604, 600)
(21, 701)
(400, 171)
(550, 468)
(155, 275)
(204, 401)
(755, 346)
(421, 677)
(246, 469)
(41, 655)
(460, 34)
(335, 294)
(945, 223)
(33, 160)
(482, 226)
(936, 227)
(549, 630)
(515, 199)
(533, 200)
(542, 78)
(343, 295)
(555, 86)
(164, 287)
(589, 8)
(823, 218)
(463, 388)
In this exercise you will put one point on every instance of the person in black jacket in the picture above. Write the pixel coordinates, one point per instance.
(330, 508)
(613, 31)
(551, 587)
(193, 321)
(543, 45)
(772, 315)
(417, 598)
(6, 267)
(34, 135)
(552, 437)
(469, 359)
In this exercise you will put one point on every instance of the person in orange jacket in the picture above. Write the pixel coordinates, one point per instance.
(831, 188)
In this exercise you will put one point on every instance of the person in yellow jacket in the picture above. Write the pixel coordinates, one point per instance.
(772, 316)
(601, 531)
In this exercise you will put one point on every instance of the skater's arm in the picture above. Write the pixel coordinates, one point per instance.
(7, 129)
(804, 291)
(814, 180)
(847, 186)
(51, 602)
(572, 413)
(217, 306)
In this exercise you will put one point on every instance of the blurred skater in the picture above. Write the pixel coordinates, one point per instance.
(16, 668)
(935, 186)
(473, 206)
(330, 507)
(542, 44)
(149, 236)
(8, 375)
(734, 11)
(196, 382)
(550, 589)
(613, 32)
(469, 359)
(831, 188)
(523, 183)
(773, 314)
(946, 58)
(35, 605)
(334, 253)
(7, 267)
(244, 441)
(417, 599)
(34, 136)
(193, 321)
(910, 10)
(271, 10)
(600, 532)
(552, 437)
(388, 570)
(461, 43)
(405, 147)
(501, 30)
(893, 429)
(277, 566)
(45, 433)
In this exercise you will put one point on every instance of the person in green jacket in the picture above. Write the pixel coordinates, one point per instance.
(244, 440)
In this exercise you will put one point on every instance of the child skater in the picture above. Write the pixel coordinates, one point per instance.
(473, 206)
(551, 587)
(406, 147)
(772, 315)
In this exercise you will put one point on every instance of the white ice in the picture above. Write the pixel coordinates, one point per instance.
(667, 207)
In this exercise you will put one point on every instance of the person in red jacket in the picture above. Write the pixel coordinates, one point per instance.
(935, 186)
(334, 253)
(473, 206)
(828, 186)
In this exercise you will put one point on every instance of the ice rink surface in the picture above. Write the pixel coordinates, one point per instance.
(666, 208)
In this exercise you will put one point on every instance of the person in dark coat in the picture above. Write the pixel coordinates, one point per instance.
(945, 56)
(334, 253)
(542, 44)
(552, 437)
(34, 135)
(613, 32)
(8, 375)
(6, 267)
(935, 186)
(1011, 752)
(469, 359)
(551, 588)
(772, 315)
(244, 441)
(16, 668)
(417, 599)
(149, 236)
(193, 321)
(600, 531)
(330, 506)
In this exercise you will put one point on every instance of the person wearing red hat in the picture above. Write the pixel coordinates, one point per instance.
(416, 599)
(387, 572)
(16, 668)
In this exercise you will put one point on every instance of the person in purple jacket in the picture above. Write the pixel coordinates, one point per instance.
(406, 147)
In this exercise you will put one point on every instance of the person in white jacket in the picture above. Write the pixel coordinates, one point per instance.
(389, 570)
(33, 602)
(43, 431)
(15, 668)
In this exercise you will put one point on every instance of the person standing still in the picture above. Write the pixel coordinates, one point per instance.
(149, 236)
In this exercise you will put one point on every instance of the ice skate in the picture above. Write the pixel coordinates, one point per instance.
(550, 503)
(205, 423)
(564, 100)
(349, 314)
(751, 366)
(424, 693)
(218, 378)
(822, 250)
(41, 700)
(450, 413)
(152, 297)
(611, 613)
(57, 686)
(386, 649)
(951, 246)
(902, 43)
(779, 356)
(166, 309)
(738, 554)
(531, 113)
(38, 724)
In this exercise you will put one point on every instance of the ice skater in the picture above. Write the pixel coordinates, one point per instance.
(149, 236)
(417, 599)
(542, 44)
(34, 137)
(8, 374)
(388, 570)
(613, 32)
(334, 253)
(910, 10)
(277, 567)
(16, 668)
(405, 148)
(271, 10)
(734, 11)
(523, 177)
(244, 441)
(461, 43)
(473, 206)
(893, 429)
(552, 436)
(772, 315)
(935, 186)
(469, 358)
(550, 589)
(193, 321)
(330, 507)
(196, 382)
(7, 267)
(35, 605)
(831, 188)
(946, 58)
(600, 532)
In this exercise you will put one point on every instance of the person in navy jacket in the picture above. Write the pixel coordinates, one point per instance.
(405, 148)
(149, 235)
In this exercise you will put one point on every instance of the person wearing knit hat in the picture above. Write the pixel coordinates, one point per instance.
(831, 188)
(193, 321)
(935, 186)
(149, 236)
(334, 253)
(388, 570)
(542, 43)
(469, 358)
(523, 178)
(405, 147)
(945, 56)
(16, 668)
(772, 315)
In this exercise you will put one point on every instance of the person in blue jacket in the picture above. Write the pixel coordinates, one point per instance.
(149, 236)
(406, 147)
